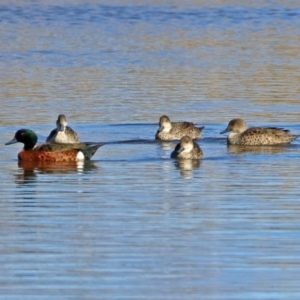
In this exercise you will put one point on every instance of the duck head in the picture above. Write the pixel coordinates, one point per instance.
(25, 136)
(164, 124)
(61, 123)
(236, 126)
(186, 144)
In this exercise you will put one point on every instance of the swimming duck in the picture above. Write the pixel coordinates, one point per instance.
(187, 149)
(51, 152)
(256, 136)
(62, 133)
(169, 131)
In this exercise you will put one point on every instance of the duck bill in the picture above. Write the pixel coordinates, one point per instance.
(161, 128)
(181, 149)
(61, 127)
(13, 141)
(224, 131)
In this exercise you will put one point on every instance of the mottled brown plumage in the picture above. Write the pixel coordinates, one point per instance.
(256, 136)
(187, 149)
(169, 131)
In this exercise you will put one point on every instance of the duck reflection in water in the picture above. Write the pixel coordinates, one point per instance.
(186, 167)
(25, 176)
(166, 146)
(31, 169)
(240, 150)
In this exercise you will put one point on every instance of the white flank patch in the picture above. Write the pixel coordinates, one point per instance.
(80, 156)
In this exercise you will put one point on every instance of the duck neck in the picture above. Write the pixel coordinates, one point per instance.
(28, 145)
(233, 138)
(167, 128)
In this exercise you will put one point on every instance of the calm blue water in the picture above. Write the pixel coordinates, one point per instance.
(132, 223)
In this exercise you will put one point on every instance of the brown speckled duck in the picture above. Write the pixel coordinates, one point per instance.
(169, 131)
(256, 136)
(187, 149)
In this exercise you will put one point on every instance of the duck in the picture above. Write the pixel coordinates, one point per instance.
(169, 131)
(256, 136)
(187, 149)
(62, 133)
(51, 152)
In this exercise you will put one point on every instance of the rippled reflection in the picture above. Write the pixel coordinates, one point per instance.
(238, 149)
(28, 171)
(186, 167)
(167, 146)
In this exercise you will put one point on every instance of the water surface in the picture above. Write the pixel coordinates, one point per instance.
(132, 223)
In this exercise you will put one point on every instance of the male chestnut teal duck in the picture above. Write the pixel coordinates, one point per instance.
(187, 149)
(169, 131)
(51, 152)
(62, 133)
(256, 136)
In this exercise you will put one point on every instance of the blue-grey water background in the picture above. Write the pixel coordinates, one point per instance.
(132, 223)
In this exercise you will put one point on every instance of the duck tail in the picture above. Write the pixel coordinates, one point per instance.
(296, 136)
(90, 150)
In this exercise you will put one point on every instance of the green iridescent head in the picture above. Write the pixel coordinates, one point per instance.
(25, 136)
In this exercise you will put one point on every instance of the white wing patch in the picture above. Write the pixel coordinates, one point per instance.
(80, 156)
